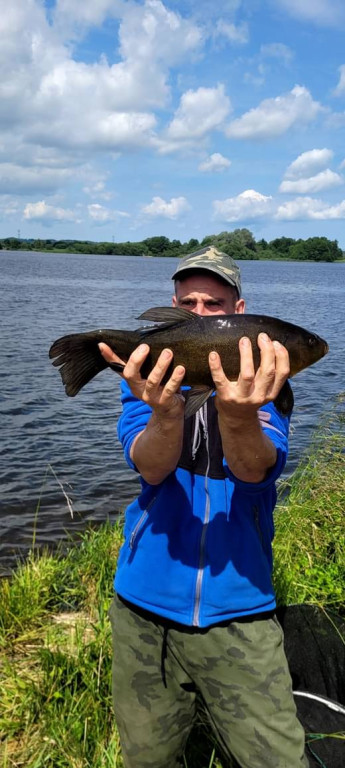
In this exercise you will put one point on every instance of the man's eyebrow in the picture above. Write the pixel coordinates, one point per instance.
(215, 300)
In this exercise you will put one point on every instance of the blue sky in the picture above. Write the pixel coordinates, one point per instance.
(122, 120)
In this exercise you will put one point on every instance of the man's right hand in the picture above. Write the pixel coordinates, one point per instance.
(155, 451)
(165, 400)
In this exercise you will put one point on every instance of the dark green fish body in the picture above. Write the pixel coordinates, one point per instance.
(191, 338)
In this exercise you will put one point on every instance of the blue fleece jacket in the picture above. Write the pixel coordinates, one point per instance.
(197, 546)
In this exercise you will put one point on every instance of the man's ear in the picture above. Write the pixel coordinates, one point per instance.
(240, 307)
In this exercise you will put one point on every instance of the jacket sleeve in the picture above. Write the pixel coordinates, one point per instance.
(134, 417)
(276, 427)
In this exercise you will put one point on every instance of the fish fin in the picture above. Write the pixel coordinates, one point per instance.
(195, 398)
(117, 367)
(79, 358)
(284, 401)
(168, 315)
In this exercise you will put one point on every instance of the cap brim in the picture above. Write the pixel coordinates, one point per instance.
(181, 272)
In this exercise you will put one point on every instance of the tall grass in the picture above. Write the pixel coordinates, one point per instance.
(309, 545)
(55, 645)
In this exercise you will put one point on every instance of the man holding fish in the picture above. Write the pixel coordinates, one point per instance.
(193, 615)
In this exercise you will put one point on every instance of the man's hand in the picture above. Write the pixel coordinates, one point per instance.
(249, 453)
(156, 450)
(242, 398)
(165, 399)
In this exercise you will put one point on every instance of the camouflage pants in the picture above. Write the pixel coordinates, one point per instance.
(238, 668)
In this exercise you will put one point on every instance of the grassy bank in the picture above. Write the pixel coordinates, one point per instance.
(55, 650)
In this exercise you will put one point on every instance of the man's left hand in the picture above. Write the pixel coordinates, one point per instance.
(242, 398)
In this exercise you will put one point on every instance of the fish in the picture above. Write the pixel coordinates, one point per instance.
(191, 338)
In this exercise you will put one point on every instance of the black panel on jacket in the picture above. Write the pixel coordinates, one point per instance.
(198, 466)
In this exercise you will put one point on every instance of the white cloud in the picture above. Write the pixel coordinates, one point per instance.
(247, 206)
(47, 213)
(321, 12)
(199, 112)
(340, 89)
(277, 51)
(274, 117)
(15, 179)
(308, 163)
(101, 215)
(98, 190)
(101, 131)
(324, 180)
(215, 163)
(8, 207)
(235, 34)
(161, 208)
(342, 165)
(304, 208)
(73, 13)
(152, 32)
(40, 78)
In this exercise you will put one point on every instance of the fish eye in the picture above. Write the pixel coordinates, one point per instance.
(311, 341)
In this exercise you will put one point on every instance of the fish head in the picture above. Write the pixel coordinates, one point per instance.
(308, 349)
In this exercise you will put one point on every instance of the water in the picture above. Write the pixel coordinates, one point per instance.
(44, 296)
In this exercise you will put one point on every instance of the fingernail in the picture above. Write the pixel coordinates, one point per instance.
(277, 344)
(213, 355)
(245, 341)
(166, 353)
(143, 348)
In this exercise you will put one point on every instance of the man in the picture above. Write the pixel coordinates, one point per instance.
(193, 613)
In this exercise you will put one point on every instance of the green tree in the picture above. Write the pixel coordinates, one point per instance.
(12, 243)
(281, 246)
(192, 245)
(157, 245)
(246, 237)
(316, 249)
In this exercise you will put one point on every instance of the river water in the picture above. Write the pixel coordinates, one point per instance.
(53, 446)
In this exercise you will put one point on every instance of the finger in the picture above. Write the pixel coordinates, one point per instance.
(217, 371)
(267, 369)
(108, 354)
(247, 369)
(282, 367)
(132, 369)
(159, 370)
(174, 383)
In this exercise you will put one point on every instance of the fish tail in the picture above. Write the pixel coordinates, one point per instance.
(79, 359)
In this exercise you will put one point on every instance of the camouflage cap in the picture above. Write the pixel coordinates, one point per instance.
(212, 260)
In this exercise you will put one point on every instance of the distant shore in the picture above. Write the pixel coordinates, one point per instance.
(240, 244)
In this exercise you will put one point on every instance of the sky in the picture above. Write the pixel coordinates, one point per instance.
(121, 120)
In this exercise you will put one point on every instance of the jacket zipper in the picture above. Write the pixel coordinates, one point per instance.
(140, 522)
(200, 574)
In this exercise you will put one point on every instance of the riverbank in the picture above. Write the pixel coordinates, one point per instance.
(239, 243)
(55, 649)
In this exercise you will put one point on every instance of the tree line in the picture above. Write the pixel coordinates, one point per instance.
(240, 244)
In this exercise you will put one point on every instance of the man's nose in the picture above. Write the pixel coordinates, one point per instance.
(199, 308)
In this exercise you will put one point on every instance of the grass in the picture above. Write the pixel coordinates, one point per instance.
(309, 545)
(55, 645)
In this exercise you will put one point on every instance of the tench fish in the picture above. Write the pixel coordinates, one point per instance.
(191, 337)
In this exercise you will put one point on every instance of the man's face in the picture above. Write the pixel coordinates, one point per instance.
(205, 295)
